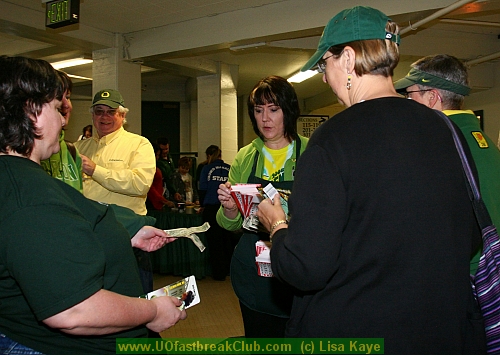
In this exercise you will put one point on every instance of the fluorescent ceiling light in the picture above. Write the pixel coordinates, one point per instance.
(70, 63)
(302, 75)
(79, 77)
(146, 69)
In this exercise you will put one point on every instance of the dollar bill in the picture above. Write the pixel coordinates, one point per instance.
(190, 233)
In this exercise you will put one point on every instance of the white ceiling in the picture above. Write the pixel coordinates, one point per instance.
(183, 38)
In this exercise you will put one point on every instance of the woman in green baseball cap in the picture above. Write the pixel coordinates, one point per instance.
(381, 228)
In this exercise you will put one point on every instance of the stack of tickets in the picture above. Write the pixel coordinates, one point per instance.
(247, 197)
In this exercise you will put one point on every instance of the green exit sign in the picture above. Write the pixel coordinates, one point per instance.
(59, 13)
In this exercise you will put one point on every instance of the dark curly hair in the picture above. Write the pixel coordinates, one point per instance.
(66, 80)
(185, 162)
(278, 91)
(25, 86)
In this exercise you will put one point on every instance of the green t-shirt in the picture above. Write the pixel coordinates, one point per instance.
(57, 248)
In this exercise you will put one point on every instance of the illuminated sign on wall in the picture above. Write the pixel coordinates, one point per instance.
(59, 13)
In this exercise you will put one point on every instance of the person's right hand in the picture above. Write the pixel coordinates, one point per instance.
(168, 203)
(270, 212)
(227, 200)
(167, 313)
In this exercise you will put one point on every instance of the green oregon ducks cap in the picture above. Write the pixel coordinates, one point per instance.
(108, 97)
(356, 24)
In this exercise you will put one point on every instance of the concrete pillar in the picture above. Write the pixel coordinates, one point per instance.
(246, 133)
(209, 113)
(217, 112)
(229, 111)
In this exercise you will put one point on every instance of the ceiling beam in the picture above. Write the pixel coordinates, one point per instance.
(176, 69)
(58, 42)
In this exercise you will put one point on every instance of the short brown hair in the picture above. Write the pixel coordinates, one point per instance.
(185, 162)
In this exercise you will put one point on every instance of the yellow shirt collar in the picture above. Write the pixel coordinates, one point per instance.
(109, 137)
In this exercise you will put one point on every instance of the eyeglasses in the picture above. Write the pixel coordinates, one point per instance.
(407, 93)
(321, 68)
(100, 112)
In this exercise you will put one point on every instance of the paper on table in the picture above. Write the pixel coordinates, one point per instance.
(190, 233)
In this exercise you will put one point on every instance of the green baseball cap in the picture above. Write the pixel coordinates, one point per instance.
(108, 97)
(356, 24)
(419, 77)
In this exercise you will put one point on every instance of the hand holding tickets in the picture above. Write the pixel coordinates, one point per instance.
(185, 289)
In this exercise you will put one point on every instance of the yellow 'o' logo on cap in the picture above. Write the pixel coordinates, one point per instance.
(105, 94)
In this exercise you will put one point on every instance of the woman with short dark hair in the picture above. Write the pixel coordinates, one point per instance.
(275, 89)
(69, 282)
(269, 159)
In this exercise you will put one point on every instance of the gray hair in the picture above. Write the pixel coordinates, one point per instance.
(449, 68)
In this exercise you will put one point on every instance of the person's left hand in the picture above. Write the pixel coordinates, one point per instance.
(150, 239)
(269, 212)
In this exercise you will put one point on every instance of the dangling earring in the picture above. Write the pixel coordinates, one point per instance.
(348, 85)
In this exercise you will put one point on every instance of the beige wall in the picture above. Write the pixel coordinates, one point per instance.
(80, 117)
(489, 102)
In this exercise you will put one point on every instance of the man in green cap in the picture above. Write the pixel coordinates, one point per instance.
(441, 82)
(118, 165)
